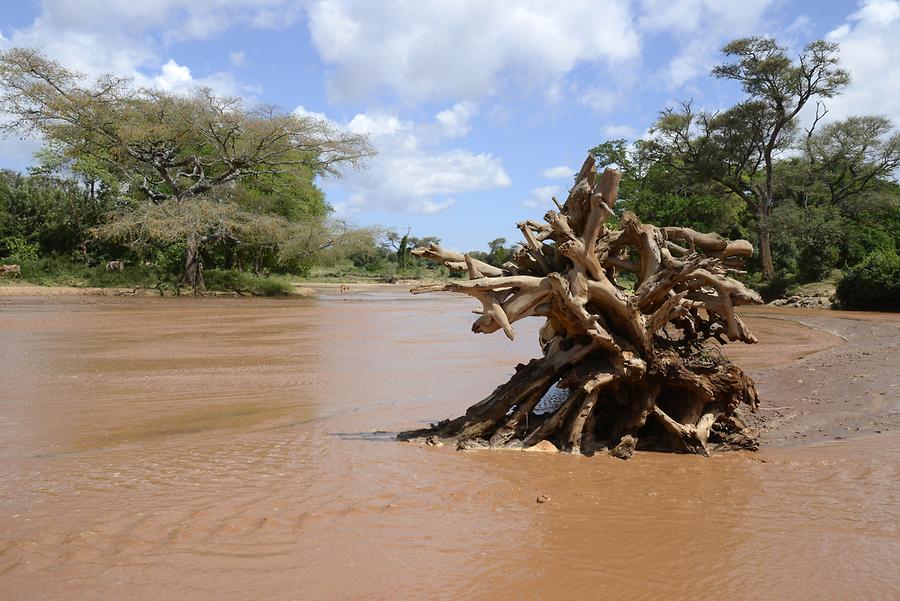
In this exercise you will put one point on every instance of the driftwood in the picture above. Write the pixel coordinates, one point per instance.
(637, 364)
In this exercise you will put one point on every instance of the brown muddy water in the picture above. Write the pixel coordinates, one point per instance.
(224, 449)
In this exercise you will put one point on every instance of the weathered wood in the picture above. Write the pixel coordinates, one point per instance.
(636, 366)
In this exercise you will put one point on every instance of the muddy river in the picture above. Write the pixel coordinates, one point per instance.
(241, 449)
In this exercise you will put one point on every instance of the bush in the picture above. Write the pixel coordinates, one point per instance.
(874, 284)
(52, 270)
(19, 250)
(237, 281)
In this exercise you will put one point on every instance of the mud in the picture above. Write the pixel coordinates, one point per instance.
(242, 449)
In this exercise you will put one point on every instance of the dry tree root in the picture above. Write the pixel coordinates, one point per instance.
(637, 365)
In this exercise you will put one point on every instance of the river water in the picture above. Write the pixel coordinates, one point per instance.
(242, 449)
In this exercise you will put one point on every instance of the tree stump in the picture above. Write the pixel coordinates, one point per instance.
(632, 316)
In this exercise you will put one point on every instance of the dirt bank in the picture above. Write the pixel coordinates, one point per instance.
(849, 389)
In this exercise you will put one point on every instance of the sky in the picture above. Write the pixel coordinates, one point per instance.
(480, 110)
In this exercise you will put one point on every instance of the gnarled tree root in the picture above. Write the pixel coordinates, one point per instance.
(632, 314)
(685, 405)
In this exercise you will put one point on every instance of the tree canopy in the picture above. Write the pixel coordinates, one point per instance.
(737, 148)
(215, 153)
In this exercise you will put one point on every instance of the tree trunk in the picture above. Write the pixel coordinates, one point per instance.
(636, 368)
(765, 247)
(193, 263)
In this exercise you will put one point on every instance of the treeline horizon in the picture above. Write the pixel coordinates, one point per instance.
(201, 190)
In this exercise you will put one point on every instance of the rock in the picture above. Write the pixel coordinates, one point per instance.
(432, 441)
(625, 448)
(542, 498)
(545, 446)
(805, 302)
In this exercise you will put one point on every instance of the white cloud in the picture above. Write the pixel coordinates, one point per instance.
(455, 120)
(869, 46)
(178, 79)
(123, 37)
(173, 77)
(411, 172)
(560, 172)
(614, 132)
(430, 207)
(300, 111)
(376, 126)
(542, 197)
(464, 49)
(702, 26)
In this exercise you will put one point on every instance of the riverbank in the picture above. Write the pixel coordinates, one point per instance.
(303, 289)
(848, 389)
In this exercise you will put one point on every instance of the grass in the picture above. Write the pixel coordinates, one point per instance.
(58, 271)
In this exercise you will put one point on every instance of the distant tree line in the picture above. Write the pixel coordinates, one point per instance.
(174, 184)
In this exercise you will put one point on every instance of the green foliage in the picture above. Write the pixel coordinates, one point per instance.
(198, 167)
(874, 284)
(53, 270)
(223, 279)
(861, 239)
(403, 251)
(700, 211)
(18, 250)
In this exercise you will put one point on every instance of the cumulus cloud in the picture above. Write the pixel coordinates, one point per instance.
(124, 37)
(432, 49)
(560, 172)
(702, 27)
(455, 120)
(542, 197)
(869, 46)
(301, 111)
(409, 174)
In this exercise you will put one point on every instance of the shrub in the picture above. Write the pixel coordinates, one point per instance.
(873, 284)
(19, 250)
(225, 279)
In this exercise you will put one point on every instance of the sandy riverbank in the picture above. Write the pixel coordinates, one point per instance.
(848, 389)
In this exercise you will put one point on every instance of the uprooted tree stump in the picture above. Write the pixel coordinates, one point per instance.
(636, 365)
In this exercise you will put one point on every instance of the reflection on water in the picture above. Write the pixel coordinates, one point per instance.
(225, 449)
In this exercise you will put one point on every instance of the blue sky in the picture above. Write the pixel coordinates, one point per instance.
(480, 110)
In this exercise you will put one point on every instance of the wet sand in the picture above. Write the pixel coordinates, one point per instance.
(241, 449)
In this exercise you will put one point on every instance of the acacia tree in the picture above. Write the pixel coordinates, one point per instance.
(167, 150)
(738, 148)
(633, 364)
(850, 157)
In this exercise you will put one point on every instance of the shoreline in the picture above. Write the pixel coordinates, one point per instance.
(301, 290)
(846, 391)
